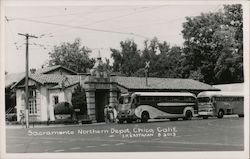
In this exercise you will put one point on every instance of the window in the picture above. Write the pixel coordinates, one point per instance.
(157, 99)
(203, 99)
(143, 99)
(32, 107)
(150, 98)
(56, 100)
(32, 102)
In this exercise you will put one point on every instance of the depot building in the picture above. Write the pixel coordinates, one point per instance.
(51, 85)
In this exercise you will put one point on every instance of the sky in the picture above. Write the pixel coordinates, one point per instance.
(99, 27)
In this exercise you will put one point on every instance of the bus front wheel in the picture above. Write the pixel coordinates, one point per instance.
(205, 117)
(220, 114)
(120, 121)
(144, 117)
(188, 115)
(173, 119)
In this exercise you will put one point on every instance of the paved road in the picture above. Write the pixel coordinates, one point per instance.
(196, 135)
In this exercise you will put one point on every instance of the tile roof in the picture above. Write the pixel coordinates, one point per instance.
(10, 79)
(53, 79)
(126, 82)
(233, 87)
(47, 69)
(51, 68)
(162, 83)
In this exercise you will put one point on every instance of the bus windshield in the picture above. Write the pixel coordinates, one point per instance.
(124, 99)
(203, 99)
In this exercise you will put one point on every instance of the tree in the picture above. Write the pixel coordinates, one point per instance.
(169, 62)
(213, 46)
(229, 66)
(10, 99)
(73, 56)
(126, 61)
(165, 61)
(79, 100)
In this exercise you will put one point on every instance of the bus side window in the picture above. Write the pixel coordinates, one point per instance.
(213, 100)
(157, 99)
(163, 99)
(143, 99)
(121, 100)
(137, 100)
(133, 104)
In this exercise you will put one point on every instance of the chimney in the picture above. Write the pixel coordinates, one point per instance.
(33, 71)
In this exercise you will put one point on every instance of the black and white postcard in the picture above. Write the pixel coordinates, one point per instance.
(124, 79)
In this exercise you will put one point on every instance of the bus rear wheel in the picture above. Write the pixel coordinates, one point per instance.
(144, 117)
(220, 114)
(188, 115)
(173, 119)
(120, 121)
(129, 120)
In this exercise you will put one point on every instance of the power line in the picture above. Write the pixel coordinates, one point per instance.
(164, 22)
(69, 21)
(120, 16)
(95, 22)
(85, 13)
(107, 19)
(11, 32)
(81, 27)
(169, 21)
(44, 46)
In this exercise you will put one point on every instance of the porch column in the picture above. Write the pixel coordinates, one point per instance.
(113, 95)
(90, 96)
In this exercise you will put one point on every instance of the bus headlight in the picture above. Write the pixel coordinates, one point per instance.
(129, 111)
(210, 110)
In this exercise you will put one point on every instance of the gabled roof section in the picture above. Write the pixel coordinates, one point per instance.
(68, 80)
(139, 83)
(11, 79)
(233, 87)
(46, 70)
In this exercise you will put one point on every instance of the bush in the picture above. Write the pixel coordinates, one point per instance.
(11, 117)
(79, 100)
(63, 108)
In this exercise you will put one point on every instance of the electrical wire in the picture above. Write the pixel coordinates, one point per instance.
(121, 16)
(76, 13)
(81, 27)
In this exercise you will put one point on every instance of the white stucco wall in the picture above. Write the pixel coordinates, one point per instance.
(44, 103)
(19, 103)
(63, 96)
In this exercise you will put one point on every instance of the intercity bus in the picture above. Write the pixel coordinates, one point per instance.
(218, 103)
(156, 105)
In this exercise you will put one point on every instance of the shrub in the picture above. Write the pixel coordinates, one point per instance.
(79, 100)
(63, 108)
(11, 117)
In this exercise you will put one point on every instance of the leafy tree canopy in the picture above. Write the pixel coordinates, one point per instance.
(72, 55)
(164, 60)
(213, 46)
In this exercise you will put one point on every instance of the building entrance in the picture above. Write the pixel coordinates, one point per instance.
(101, 99)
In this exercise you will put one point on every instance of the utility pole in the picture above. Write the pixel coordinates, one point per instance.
(27, 36)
